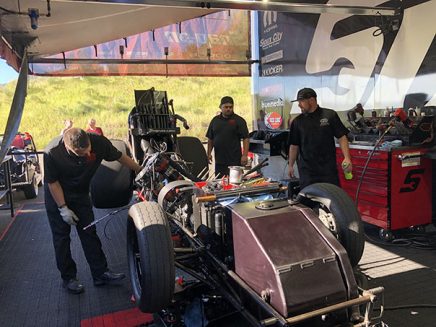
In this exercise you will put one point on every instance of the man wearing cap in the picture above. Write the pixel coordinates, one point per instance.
(355, 117)
(70, 162)
(224, 134)
(311, 140)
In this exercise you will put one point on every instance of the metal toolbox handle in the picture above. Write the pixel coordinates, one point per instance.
(402, 157)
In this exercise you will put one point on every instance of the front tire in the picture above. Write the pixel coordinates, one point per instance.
(150, 256)
(339, 213)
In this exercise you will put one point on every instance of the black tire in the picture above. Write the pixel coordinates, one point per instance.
(192, 150)
(31, 190)
(112, 184)
(349, 226)
(150, 256)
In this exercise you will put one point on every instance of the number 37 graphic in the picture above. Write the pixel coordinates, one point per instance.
(412, 180)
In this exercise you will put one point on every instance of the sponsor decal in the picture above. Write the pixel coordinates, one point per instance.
(272, 57)
(269, 21)
(272, 103)
(274, 70)
(273, 120)
(271, 41)
(273, 90)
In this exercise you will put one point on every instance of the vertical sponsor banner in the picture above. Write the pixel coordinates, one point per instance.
(271, 114)
(377, 61)
(223, 35)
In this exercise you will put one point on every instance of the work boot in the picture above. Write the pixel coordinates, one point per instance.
(108, 277)
(73, 286)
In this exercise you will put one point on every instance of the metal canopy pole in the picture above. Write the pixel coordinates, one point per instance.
(282, 6)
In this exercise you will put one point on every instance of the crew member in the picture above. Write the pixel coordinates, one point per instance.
(92, 128)
(355, 117)
(311, 140)
(224, 134)
(68, 123)
(69, 164)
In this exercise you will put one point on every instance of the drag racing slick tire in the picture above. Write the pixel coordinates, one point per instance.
(112, 184)
(339, 213)
(150, 256)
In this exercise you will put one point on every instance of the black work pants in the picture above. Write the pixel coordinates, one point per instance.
(91, 244)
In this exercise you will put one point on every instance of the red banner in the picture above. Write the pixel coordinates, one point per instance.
(7, 54)
(226, 34)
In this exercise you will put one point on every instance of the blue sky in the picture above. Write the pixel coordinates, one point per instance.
(7, 73)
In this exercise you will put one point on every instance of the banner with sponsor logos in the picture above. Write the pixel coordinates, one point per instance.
(222, 36)
(347, 59)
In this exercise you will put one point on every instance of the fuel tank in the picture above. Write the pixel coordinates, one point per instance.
(285, 254)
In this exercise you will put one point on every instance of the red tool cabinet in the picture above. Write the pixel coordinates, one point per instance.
(396, 191)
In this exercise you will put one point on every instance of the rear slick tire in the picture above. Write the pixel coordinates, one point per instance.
(345, 217)
(150, 256)
(112, 184)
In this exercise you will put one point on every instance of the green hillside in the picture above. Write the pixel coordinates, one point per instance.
(109, 100)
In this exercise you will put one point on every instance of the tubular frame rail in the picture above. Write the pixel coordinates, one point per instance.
(368, 297)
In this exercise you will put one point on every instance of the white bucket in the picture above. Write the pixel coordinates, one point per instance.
(235, 176)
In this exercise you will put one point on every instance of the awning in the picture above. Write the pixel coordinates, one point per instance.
(213, 45)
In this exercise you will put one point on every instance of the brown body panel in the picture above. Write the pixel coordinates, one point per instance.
(284, 255)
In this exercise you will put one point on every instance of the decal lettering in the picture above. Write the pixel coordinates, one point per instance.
(274, 70)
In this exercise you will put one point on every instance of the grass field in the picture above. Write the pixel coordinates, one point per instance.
(109, 100)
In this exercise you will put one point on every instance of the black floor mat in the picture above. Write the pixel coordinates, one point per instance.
(31, 292)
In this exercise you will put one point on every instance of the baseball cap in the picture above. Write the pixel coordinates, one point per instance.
(305, 93)
(226, 99)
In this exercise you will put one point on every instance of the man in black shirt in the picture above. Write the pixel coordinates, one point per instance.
(224, 134)
(69, 164)
(311, 139)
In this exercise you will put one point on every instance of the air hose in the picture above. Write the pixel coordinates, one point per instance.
(377, 143)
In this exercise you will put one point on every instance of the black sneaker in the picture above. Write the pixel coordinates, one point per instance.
(73, 286)
(108, 277)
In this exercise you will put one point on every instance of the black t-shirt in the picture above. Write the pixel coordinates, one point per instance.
(75, 173)
(226, 134)
(314, 134)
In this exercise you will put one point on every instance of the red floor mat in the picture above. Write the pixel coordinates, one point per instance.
(126, 318)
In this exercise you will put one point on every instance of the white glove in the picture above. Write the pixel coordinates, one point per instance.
(68, 215)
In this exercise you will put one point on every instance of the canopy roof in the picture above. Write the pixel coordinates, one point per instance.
(52, 30)
(76, 24)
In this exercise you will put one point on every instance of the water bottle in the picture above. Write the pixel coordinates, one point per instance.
(347, 172)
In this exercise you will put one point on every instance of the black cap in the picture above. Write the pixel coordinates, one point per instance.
(305, 93)
(226, 99)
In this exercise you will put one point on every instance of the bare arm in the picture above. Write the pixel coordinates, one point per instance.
(293, 154)
(343, 143)
(57, 193)
(130, 163)
(209, 149)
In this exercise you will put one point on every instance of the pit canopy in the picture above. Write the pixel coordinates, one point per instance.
(143, 37)
(138, 37)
